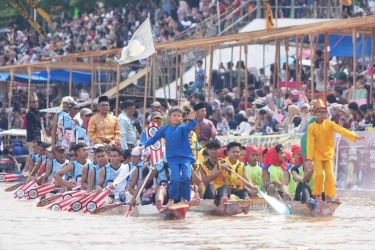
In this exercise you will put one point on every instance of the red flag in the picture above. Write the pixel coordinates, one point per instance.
(156, 149)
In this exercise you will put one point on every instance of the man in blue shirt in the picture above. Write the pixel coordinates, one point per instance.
(199, 77)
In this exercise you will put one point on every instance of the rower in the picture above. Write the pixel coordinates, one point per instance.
(32, 158)
(262, 153)
(88, 167)
(110, 172)
(162, 174)
(296, 180)
(213, 149)
(55, 165)
(227, 183)
(101, 160)
(137, 163)
(254, 167)
(41, 155)
(274, 167)
(74, 168)
(43, 166)
(196, 185)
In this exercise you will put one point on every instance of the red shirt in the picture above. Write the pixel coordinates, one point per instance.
(24, 121)
(222, 10)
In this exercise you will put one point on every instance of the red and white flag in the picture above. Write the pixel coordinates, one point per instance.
(157, 148)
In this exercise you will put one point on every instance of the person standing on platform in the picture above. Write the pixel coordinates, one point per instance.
(205, 129)
(128, 137)
(55, 132)
(104, 128)
(34, 126)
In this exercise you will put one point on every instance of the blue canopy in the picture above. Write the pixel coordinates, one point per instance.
(62, 75)
(58, 75)
(343, 46)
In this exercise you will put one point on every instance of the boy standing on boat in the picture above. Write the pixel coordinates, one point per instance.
(320, 150)
(178, 152)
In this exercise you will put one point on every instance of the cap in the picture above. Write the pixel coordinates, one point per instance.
(103, 98)
(259, 101)
(59, 147)
(73, 104)
(199, 106)
(296, 149)
(127, 103)
(67, 99)
(156, 104)
(250, 149)
(294, 92)
(136, 151)
(155, 115)
(319, 105)
(98, 145)
(85, 111)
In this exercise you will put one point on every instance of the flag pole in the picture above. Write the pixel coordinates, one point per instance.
(145, 96)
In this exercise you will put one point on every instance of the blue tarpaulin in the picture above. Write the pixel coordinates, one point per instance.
(58, 75)
(343, 46)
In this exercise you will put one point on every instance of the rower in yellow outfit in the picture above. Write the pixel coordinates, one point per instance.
(320, 150)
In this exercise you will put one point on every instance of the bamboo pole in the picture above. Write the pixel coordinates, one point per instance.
(48, 69)
(177, 70)
(182, 76)
(363, 51)
(30, 72)
(325, 65)
(118, 78)
(231, 72)
(10, 96)
(287, 63)
(246, 79)
(92, 82)
(146, 86)
(300, 64)
(274, 80)
(205, 72)
(70, 76)
(210, 73)
(372, 65)
(278, 65)
(312, 75)
(239, 74)
(297, 63)
(354, 62)
(154, 76)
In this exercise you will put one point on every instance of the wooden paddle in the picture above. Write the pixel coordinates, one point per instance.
(16, 186)
(106, 208)
(140, 191)
(277, 205)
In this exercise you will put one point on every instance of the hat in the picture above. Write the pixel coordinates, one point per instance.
(294, 92)
(73, 104)
(251, 119)
(49, 149)
(127, 104)
(85, 111)
(33, 97)
(319, 105)
(98, 145)
(296, 149)
(136, 151)
(59, 147)
(155, 104)
(67, 99)
(155, 114)
(199, 106)
(259, 101)
(250, 149)
(103, 98)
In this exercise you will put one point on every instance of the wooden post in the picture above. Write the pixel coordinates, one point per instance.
(92, 82)
(48, 69)
(10, 96)
(354, 62)
(239, 75)
(278, 65)
(363, 50)
(210, 73)
(231, 76)
(300, 64)
(155, 75)
(312, 75)
(176, 65)
(30, 72)
(287, 63)
(372, 65)
(275, 69)
(205, 72)
(325, 68)
(182, 76)
(246, 79)
(70, 76)
(146, 86)
(118, 77)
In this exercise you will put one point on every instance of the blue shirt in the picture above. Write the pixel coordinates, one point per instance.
(177, 145)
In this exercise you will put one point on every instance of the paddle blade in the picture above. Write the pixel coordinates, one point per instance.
(129, 211)
(14, 187)
(277, 205)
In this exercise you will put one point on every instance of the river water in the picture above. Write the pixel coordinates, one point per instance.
(23, 226)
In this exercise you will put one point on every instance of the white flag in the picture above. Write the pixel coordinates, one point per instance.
(141, 45)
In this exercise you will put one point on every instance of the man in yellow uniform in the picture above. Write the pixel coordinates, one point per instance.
(320, 150)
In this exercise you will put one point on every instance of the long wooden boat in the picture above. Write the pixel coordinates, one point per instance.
(323, 209)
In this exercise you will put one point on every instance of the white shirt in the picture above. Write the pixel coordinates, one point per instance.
(243, 129)
(120, 181)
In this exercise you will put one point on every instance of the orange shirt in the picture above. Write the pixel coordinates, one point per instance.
(104, 129)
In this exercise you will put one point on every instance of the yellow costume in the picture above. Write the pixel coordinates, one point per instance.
(320, 150)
